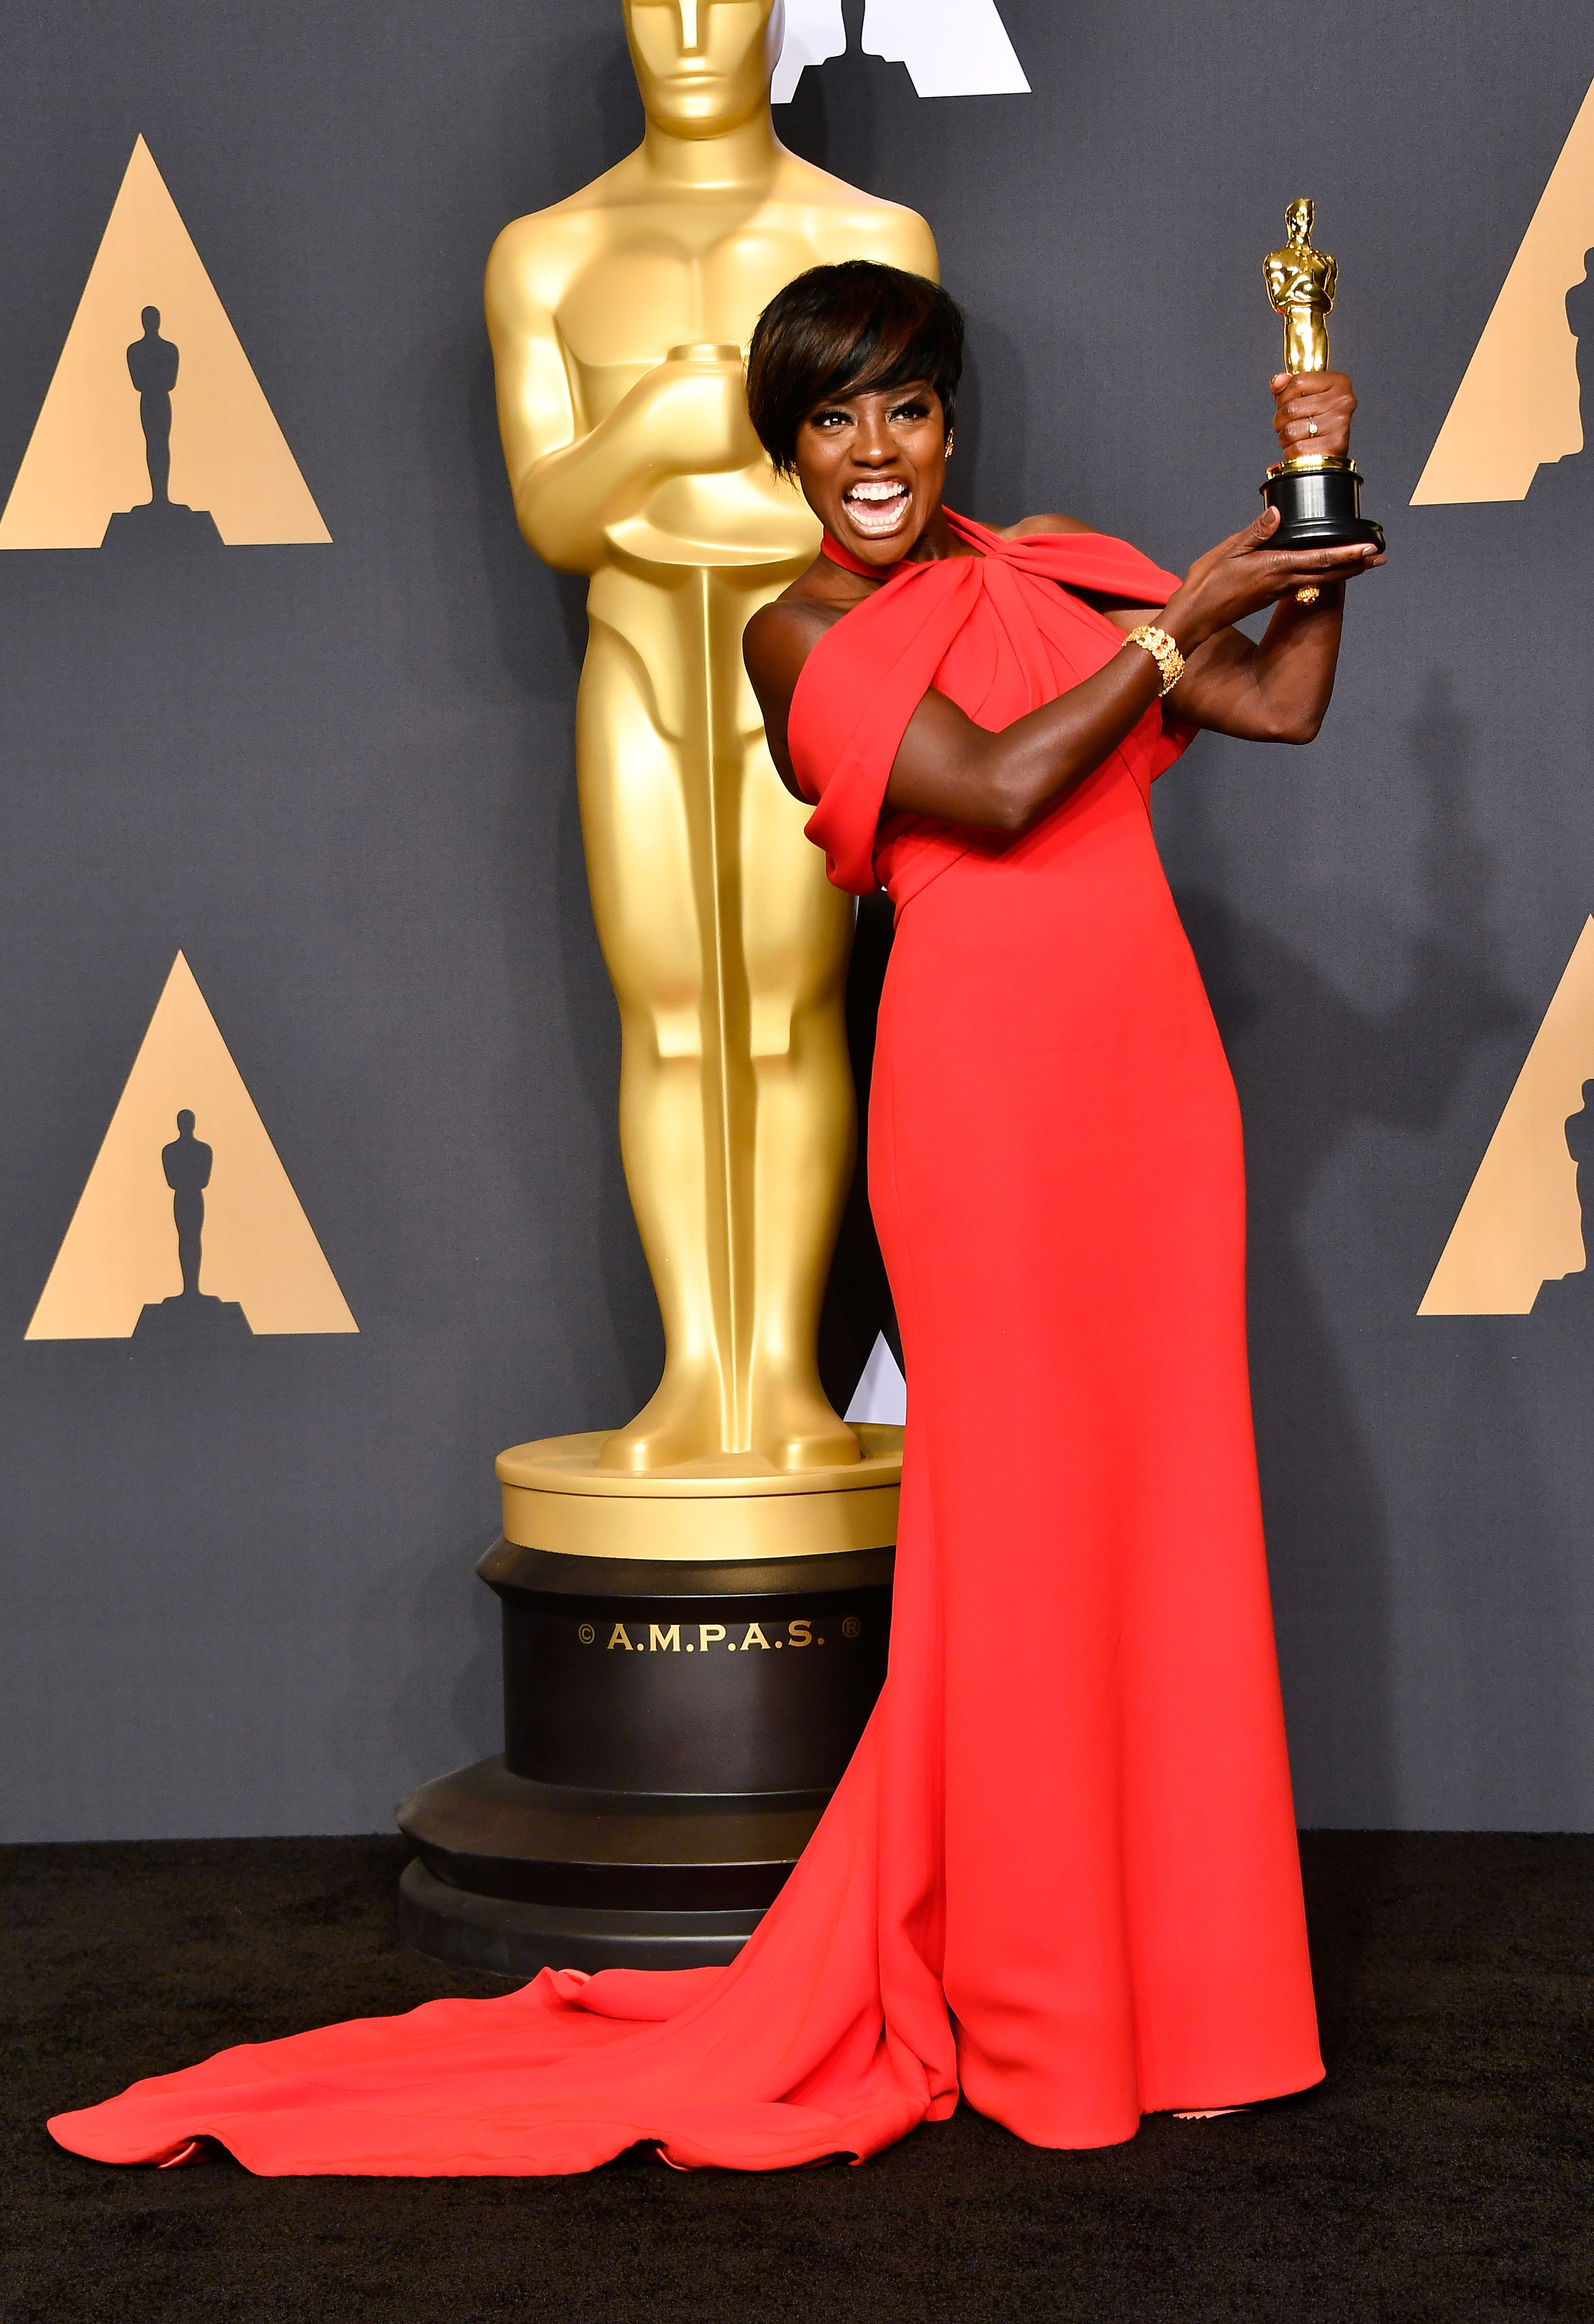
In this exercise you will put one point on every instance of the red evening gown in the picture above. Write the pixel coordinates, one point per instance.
(1061, 1871)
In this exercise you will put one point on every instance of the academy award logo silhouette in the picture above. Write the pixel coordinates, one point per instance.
(154, 427)
(1517, 409)
(1522, 1225)
(952, 48)
(197, 1236)
(152, 365)
(189, 1314)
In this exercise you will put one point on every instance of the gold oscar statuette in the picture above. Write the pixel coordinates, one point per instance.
(619, 321)
(695, 1605)
(1318, 495)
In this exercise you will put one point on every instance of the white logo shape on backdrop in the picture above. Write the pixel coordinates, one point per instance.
(881, 1393)
(952, 48)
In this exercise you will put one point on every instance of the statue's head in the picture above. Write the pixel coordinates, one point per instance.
(151, 319)
(1298, 218)
(185, 1123)
(703, 65)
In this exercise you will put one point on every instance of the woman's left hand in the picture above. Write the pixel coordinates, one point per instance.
(1312, 411)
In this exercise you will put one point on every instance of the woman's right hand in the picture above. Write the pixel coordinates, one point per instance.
(1244, 574)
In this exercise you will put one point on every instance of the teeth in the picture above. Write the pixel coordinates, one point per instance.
(875, 491)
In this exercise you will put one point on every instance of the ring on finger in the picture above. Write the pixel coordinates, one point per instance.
(1312, 427)
(1307, 594)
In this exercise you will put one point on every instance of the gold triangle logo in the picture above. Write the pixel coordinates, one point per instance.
(88, 459)
(136, 1256)
(1521, 1225)
(1517, 407)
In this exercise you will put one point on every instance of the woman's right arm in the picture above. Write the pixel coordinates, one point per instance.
(949, 766)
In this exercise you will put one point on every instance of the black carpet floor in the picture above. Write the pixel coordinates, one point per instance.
(1443, 2172)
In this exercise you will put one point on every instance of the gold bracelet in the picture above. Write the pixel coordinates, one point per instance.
(1163, 650)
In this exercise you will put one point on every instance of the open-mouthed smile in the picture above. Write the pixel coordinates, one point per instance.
(877, 506)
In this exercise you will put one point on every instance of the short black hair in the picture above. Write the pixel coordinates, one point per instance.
(839, 330)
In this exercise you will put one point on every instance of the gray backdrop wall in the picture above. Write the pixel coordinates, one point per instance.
(237, 1588)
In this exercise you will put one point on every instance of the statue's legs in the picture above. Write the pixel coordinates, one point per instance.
(736, 1099)
(639, 867)
(189, 1210)
(1305, 340)
(797, 939)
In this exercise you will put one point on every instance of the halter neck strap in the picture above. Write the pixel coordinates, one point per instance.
(832, 547)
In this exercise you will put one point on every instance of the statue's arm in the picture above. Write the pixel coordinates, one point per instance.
(572, 481)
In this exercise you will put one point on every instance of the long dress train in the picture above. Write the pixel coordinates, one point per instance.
(1061, 1871)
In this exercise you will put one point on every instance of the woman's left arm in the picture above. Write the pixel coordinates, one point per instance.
(1275, 690)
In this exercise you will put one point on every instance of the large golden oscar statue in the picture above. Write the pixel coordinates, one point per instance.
(618, 320)
(696, 1604)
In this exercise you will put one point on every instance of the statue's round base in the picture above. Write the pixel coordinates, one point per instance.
(1319, 501)
(506, 1937)
(673, 1725)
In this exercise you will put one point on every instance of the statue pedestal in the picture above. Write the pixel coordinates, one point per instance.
(688, 1661)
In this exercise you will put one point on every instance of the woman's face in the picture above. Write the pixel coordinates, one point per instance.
(873, 468)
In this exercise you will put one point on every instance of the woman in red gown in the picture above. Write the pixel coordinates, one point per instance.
(1060, 1874)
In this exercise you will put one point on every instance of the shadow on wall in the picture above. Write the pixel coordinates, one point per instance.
(1491, 1532)
(1310, 1064)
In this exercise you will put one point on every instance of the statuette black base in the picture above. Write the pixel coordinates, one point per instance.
(510, 1938)
(673, 1733)
(1318, 506)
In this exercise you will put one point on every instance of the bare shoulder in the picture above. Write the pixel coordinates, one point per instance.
(776, 645)
(781, 635)
(1051, 523)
